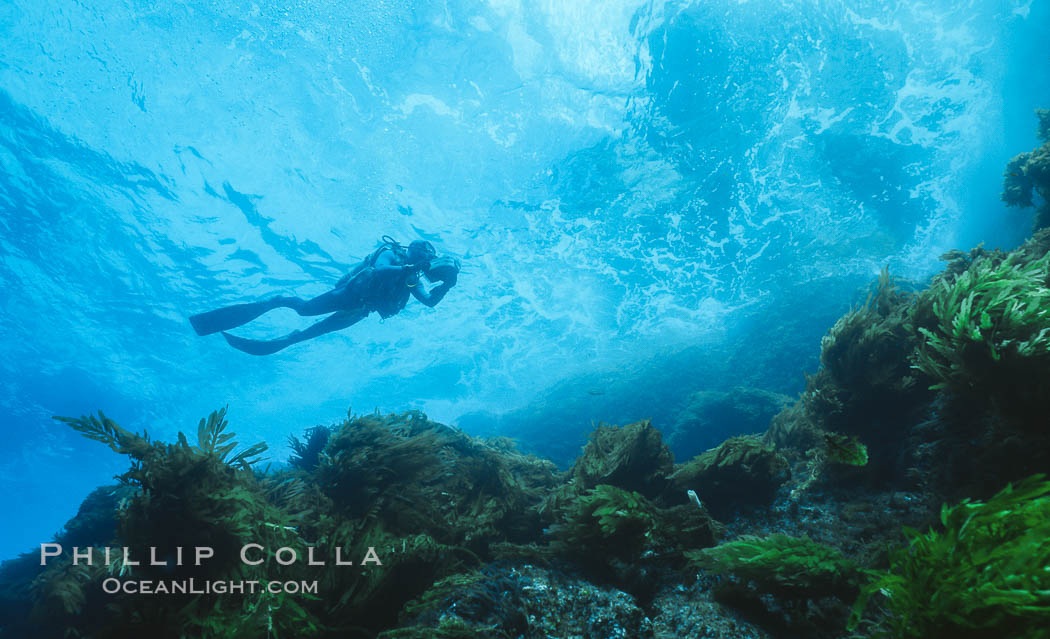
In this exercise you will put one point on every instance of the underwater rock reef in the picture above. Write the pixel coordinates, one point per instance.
(712, 416)
(698, 395)
(449, 535)
(903, 494)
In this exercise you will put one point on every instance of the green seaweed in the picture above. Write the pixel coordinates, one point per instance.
(845, 449)
(837, 450)
(792, 585)
(605, 522)
(790, 567)
(614, 513)
(986, 573)
(992, 332)
(619, 534)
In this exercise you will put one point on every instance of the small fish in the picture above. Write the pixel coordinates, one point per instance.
(595, 391)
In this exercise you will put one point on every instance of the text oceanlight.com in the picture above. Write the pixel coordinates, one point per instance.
(192, 586)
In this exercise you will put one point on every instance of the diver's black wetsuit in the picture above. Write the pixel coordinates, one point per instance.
(383, 286)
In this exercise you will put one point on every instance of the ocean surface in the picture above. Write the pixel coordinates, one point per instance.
(641, 194)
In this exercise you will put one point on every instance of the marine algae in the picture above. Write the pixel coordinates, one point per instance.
(982, 573)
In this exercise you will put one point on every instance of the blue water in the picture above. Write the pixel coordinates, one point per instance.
(624, 182)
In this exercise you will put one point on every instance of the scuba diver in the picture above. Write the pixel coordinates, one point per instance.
(382, 282)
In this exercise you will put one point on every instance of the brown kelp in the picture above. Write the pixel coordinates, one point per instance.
(185, 496)
(632, 525)
(632, 457)
(740, 473)
(1029, 173)
(866, 386)
(434, 504)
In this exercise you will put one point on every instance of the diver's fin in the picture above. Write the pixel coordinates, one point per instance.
(257, 346)
(334, 322)
(223, 319)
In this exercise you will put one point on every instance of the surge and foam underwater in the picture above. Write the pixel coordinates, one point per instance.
(648, 199)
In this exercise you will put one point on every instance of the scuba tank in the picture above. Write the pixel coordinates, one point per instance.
(389, 243)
